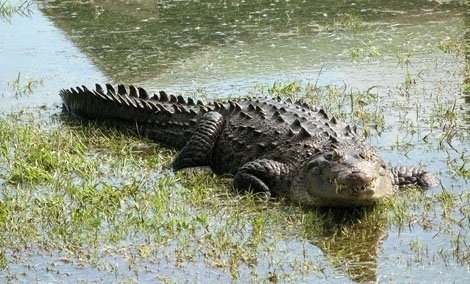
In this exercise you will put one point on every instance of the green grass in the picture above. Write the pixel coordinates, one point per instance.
(24, 88)
(457, 46)
(7, 9)
(347, 22)
(91, 194)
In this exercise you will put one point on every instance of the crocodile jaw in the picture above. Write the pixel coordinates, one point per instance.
(317, 191)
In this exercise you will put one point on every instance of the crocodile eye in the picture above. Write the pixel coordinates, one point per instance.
(332, 155)
(366, 155)
(312, 165)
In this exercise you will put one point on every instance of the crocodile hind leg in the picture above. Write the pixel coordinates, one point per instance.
(198, 150)
(403, 176)
(262, 176)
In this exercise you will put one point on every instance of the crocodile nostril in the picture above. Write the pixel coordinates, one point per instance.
(359, 178)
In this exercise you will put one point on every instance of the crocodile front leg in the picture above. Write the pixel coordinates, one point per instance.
(403, 176)
(198, 150)
(263, 176)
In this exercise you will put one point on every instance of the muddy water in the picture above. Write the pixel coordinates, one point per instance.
(223, 48)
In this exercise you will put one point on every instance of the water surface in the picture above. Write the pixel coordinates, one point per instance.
(396, 49)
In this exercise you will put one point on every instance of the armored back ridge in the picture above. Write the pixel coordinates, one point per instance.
(268, 145)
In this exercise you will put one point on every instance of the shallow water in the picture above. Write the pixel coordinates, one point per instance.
(222, 49)
(35, 49)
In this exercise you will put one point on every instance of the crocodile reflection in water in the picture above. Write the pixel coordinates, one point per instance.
(350, 239)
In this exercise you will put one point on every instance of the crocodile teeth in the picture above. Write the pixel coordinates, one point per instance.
(356, 190)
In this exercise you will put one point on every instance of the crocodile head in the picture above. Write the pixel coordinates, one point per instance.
(353, 176)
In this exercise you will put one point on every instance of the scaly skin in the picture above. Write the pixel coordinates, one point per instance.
(267, 144)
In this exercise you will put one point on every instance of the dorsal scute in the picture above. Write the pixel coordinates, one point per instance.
(351, 130)
(143, 93)
(303, 104)
(323, 113)
(296, 123)
(98, 88)
(110, 89)
(151, 105)
(333, 139)
(234, 105)
(304, 133)
(257, 132)
(204, 108)
(74, 91)
(133, 91)
(219, 105)
(173, 99)
(114, 96)
(135, 102)
(280, 119)
(100, 94)
(163, 97)
(245, 115)
(176, 108)
(276, 113)
(190, 102)
(122, 89)
(184, 109)
(124, 99)
(181, 100)
(85, 90)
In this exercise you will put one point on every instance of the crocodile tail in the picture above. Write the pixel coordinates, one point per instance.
(403, 176)
(127, 104)
(164, 118)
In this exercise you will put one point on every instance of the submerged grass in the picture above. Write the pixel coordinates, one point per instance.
(346, 21)
(8, 9)
(92, 195)
(24, 88)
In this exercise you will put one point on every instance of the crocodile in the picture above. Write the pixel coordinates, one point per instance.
(269, 145)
